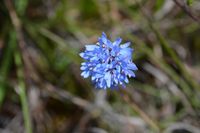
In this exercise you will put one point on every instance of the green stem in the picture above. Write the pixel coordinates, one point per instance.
(166, 68)
(174, 57)
(6, 63)
(22, 92)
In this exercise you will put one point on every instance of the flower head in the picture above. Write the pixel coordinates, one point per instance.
(109, 64)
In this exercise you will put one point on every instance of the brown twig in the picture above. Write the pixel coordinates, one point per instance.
(16, 22)
(18, 62)
(136, 108)
(21, 41)
(187, 10)
(106, 114)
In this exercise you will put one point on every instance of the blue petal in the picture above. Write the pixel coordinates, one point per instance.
(117, 41)
(98, 76)
(126, 53)
(104, 34)
(93, 78)
(125, 45)
(116, 80)
(104, 38)
(82, 54)
(106, 41)
(102, 83)
(108, 79)
(83, 63)
(90, 47)
(94, 58)
(85, 74)
(131, 73)
(132, 66)
(83, 67)
(126, 80)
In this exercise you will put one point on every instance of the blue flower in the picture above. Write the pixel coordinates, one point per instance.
(109, 64)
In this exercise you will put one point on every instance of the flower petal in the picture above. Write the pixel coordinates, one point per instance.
(82, 54)
(125, 45)
(85, 74)
(83, 67)
(117, 41)
(90, 47)
(131, 73)
(108, 79)
(132, 66)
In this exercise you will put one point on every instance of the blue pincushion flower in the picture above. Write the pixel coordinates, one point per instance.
(109, 64)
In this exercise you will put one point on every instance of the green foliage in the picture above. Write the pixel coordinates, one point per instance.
(159, 4)
(21, 6)
(166, 51)
(189, 2)
(6, 65)
(89, 9)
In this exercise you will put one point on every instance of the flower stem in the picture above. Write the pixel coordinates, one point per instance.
(22, 92)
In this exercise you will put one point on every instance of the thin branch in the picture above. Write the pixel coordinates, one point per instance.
(136, 108)
(19, 63)
(105, 113)
(187, 10)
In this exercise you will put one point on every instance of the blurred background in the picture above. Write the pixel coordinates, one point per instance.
(41, 90)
